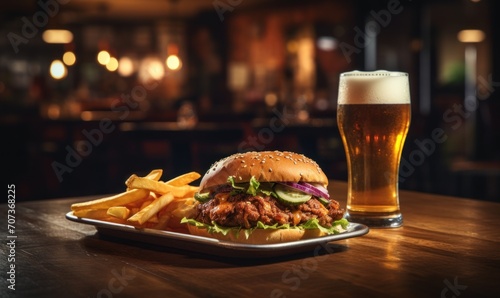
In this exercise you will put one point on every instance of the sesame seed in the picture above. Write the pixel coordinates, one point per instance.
(270, 170)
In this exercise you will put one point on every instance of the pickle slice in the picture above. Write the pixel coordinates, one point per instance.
(202, 197)
(290, 195)
(324, 201)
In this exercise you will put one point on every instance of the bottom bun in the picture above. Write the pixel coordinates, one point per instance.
(259, 236)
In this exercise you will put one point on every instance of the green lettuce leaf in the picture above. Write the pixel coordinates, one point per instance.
(267, 189)
(337, 227)
(236, 186)
(251, 187)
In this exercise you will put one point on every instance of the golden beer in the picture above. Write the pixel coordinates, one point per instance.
(373, 116)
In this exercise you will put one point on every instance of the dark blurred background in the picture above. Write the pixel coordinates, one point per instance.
(92, 91)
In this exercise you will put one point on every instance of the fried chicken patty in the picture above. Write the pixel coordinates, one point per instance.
(244, 210)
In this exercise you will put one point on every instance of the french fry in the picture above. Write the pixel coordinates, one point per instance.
(116, 200)
(160, 187)
(153, 219)
(190, 191)
(145, 214)
(183, 179)
(153, 175)
(91, 213)
(145, 204)
(140, 202)
(183, 207)
(148, 202)
(99, 214)
(118, 212)
(162, 221)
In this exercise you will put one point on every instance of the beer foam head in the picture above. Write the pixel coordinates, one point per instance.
(374, 87)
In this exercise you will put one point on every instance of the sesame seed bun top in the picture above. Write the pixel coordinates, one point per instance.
(265, 166)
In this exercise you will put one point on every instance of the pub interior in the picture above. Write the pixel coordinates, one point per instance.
(94, 90)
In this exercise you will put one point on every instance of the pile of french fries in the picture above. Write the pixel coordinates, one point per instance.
(147, 202)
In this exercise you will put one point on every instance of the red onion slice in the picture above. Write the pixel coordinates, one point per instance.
(317, 191)
(322, 189)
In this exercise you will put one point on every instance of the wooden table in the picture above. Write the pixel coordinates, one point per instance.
(447, 247)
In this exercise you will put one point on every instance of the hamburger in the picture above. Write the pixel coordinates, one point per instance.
(265, 197)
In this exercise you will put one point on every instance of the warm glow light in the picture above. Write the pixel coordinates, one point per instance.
(103, 57)
(326, 43)
(156, 70)
(303, 115)
(57, 36)
(86, 116)
(125, 66)
(173, 62)
(112, 64)
(53, 111)
(471, 36)
(271, 99)
(69, 58)
(58, 70)
(292, 46)
(151, 69)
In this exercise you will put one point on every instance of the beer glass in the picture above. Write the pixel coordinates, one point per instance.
(373, 116)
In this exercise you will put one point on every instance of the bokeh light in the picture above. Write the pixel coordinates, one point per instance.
(103, 57)
(151, 69)
(57, 36)
(112, 64)
(173, 62)
(125, 66)
(69, 58)
(58, 70)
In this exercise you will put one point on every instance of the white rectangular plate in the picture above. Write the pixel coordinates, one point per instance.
(213, 246)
